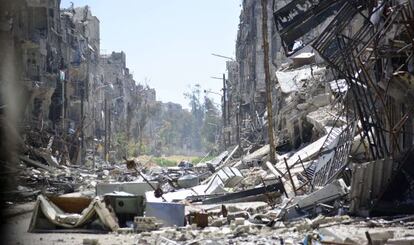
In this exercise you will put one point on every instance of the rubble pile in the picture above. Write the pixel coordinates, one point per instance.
(44, 169)
(343, 170)
(340, 230)
(253, 204)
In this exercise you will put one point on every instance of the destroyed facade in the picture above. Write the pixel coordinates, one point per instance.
(342, 98)
(82, 98)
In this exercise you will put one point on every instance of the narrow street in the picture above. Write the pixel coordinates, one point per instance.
(207, 122)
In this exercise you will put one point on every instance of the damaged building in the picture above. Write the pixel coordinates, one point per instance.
(337, 73)
(71, 89)
(327, 160)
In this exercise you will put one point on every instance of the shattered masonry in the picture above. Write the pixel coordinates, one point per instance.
(342, 89)
(71, 89)
(344, 82)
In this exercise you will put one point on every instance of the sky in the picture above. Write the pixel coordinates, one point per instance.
(168, 44)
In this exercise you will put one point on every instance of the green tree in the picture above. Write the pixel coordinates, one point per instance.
(211, 126)
(197, 116)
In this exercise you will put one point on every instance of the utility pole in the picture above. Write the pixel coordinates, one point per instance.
(106, 128)
(93, 136)
(63, 106)
(224, 112)
(268, 81)
(225, 109)
(82, 153)
(238, 127)
(109, 130)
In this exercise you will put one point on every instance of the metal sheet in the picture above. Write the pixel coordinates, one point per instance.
(170, 213)
(300, 17)
(328, 169)
(126, 204)
(278, 187)
(368, 182)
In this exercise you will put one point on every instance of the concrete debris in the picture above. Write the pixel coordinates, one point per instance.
(188, 181)
(401, 241)
(344, 141)
(303, 59)
(291, 81)
(142, 224)
(225, 177)
(339, 86)
(247, 233)
(328, 193)
(90, 241)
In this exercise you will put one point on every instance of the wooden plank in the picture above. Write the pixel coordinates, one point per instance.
(35, 163)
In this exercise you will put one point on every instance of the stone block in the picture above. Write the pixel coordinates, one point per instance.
(401, 241)
(321, 100)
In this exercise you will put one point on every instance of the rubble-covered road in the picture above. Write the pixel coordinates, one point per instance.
(354, 232)
(313, 143)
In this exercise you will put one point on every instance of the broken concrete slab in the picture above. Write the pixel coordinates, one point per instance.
(188, 181)
(401, 241)
(305, 154)
(254, 194)
(251, 207)
(256, 155)
(300, 205)
(342, 236)
(302, 59)
(330, 192)
(225, 177)
(142, 224)
(339, 86)
(290, 81)
(321, 100)
(380, 237)
(35, 163)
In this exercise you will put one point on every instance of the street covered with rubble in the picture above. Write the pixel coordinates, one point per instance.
(313, 140)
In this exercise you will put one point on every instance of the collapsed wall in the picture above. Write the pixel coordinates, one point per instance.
(297, 90)
(345, 86)
(74, 98)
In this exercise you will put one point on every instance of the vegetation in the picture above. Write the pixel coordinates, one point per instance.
(165, 129)
(199, 159)
(163, 162)
(205, 121)
(168, 161)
